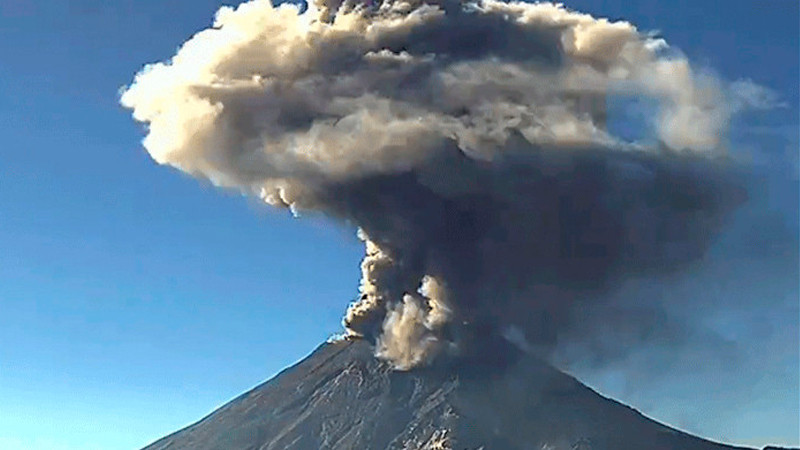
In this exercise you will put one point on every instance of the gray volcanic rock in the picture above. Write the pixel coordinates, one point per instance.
(342, 397)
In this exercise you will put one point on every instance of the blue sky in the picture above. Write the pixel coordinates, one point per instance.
(134, 300)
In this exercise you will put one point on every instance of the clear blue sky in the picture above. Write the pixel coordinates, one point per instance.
(134, 300)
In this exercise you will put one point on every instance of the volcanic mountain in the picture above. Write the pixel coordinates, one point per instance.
(342, 397)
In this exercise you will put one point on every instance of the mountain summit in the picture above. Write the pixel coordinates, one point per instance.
(342, 397)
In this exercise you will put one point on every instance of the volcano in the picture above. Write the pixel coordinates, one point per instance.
(342, 397)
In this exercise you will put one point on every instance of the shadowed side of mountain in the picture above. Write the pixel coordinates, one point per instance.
(342, 397)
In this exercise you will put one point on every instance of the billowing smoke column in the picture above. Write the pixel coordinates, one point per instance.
(468, 143)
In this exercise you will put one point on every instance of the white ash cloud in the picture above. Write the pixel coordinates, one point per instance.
(410, 332)
(468, 143)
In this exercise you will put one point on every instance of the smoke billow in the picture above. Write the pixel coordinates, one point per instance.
(470, 144)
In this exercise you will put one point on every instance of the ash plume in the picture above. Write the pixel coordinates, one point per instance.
(469, 144)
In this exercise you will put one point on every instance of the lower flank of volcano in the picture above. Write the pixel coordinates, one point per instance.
(342, 397)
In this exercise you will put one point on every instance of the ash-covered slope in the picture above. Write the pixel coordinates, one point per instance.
(342, 397)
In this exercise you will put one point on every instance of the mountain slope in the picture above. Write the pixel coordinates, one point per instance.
(341, 397)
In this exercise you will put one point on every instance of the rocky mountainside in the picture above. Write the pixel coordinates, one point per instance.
(342, 397)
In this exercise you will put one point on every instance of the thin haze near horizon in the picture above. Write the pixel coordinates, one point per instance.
(136, 300)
